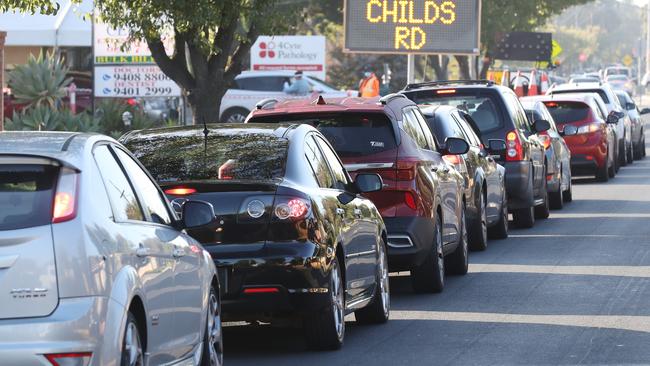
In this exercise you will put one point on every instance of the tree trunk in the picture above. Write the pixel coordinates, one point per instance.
(440, 65)
(463, 67)
(485, 66)
(205, 104)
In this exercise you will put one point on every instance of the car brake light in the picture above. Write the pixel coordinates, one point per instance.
(180, 191)
(65, 199)
(515, 150)
(409, 199)
(292, 208)
(69, 359)
(446, 91)
(262, 290)
(452, 159)
(406, 170)
(546, 140)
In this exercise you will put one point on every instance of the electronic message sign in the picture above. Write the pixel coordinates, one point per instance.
(413, 26)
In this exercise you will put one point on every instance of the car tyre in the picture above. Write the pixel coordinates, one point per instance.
(524, 217)
(543, 211)
(458, 262)
(500, 230)
(325, 329)
(568, 194)
(630, 154)
(478, 238)
(622, 155)
(429, 277)
(132, 348)
(556, 200)
(378, 311)
(235, 115)
(212, 354)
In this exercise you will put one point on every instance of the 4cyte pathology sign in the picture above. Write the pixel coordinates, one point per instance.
(413, 26)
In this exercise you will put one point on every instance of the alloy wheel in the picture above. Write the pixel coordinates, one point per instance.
(440, 253)
(338, 306)
(384, 283)
(236, 118)
(133, 346)
(215, 332)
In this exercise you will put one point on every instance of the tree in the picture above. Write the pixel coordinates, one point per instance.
(212, 39)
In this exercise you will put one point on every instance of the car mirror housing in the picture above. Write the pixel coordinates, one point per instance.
(613, 118)
(541, 125)
(570, 130)
(630, 106)
(455, 146)
(366, 183)
(197, 214)
(645, 111)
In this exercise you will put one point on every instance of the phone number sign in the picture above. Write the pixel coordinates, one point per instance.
(413, 26)
(133, 81)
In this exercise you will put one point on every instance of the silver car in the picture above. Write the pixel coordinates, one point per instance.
(95, 268)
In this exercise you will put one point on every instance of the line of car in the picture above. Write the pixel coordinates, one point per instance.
(295, 217)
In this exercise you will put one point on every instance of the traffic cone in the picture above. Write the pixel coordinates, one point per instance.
(505, 78)
(533, 89)
(490, 76)
(519, 85)
(544, 84)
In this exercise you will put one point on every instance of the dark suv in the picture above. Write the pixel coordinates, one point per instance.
(499, 115)
(422, 201)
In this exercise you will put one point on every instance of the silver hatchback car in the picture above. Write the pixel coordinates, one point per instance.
(95, 268)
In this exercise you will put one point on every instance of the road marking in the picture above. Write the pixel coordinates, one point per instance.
(631, 323)
(616, 271)
(599, 215)
(549, 236)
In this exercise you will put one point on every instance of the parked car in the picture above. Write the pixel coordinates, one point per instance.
(422, 203)
(295, 238)
(95, 267)
(623, 126)
(587, 131)
(251, 87)
(499, 115)
(638, 126)
(622, 82)
(484, 179)
(558, 155)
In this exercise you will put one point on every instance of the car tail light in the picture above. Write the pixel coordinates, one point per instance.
(262, 290)
(452, 159)
(590, 128)
(406, 170)
(546, 140)
(446, 91)
(515, 150)
(70, 359)
(292, 208)
(409, 199)
(180, 191)
(65, 199)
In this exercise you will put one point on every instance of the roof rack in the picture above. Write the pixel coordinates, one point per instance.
(390, 97)
(449, 82)
(266, 103)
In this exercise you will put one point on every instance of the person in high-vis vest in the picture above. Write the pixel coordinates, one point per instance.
(369, 85)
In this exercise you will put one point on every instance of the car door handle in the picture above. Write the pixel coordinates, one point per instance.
(142, 252)
(178, 252)
(340, 211)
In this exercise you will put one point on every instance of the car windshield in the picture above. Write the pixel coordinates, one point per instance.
(568, 112)
(482, 109)
(26, 195)
(617, 78)
(226, 154)
(351, 134)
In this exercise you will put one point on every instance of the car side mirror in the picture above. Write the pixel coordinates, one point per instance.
(366, 183)
(613, 118)
(455, 146)
(645, 111)
(570, 130)
(630, 106)
(197, 214)
(541, 125)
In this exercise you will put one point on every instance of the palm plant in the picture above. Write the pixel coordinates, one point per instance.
(39, 82)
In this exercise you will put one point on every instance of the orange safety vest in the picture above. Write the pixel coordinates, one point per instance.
(369, 87)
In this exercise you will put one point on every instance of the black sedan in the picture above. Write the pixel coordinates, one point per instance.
(294, 238)
(485, 192)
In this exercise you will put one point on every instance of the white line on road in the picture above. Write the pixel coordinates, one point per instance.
(616, 271)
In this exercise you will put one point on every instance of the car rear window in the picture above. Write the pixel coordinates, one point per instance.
(581, 91)
(481, 107)
(351, 134)
(26, 195)
(226, 154)
(568, 112)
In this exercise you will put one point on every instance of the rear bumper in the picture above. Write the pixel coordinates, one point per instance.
(76, 326)
(298, 275)
(583, 164)
(410, 240)
(519, 184)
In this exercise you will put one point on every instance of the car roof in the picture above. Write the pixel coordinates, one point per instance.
(454, 84)
(569, 97)
(332, 105)
(432, 110)
(578, 86)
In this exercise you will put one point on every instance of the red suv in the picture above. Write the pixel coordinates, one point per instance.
(422, 203)
(587, 131)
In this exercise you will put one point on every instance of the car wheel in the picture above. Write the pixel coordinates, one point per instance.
(213, 338)
(543, 211)
(378, 311)
(622, 155)
(568, 194)
(478, 238)
(524, 217)
(556, 200)
(458, 262)
(325, 329)
(500, 230)
(630, 154)
(132, 351)
(235, 115)
(429, 277)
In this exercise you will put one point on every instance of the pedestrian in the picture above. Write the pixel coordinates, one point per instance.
(299, 86)
(369, 85)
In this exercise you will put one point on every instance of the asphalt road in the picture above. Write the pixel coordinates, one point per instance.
(573, 290)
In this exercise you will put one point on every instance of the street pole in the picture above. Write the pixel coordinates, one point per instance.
(410, 69)
(647, 39)
(3, 35)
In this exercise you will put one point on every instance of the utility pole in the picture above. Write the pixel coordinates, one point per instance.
(3, 35)
(647, 39)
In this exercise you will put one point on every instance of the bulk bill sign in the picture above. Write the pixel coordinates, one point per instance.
(305, 53)
(413, 26)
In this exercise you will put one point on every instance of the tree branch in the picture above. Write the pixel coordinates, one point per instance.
(168, 66)
(222, 45)
(236, 62)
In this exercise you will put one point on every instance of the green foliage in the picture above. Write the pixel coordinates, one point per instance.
(31, 6)
(109, 116)
(43, 118)
(39, 82)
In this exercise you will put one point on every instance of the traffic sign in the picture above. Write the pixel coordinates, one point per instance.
(628, 60)
(524, 46)
(412, 26)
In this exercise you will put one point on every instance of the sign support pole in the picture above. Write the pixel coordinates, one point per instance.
(410, 69)
(2, 72)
